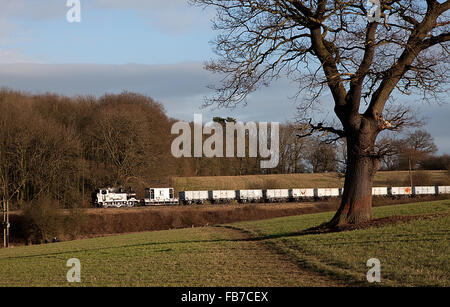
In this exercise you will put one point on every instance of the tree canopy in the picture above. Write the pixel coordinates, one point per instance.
(320, 43)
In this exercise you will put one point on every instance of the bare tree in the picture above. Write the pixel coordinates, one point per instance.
(321, 156)
(292, 149)
(55, 147)
(357, 58)
(415, 148)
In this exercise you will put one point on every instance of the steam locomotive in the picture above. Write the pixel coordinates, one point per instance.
(112, 197)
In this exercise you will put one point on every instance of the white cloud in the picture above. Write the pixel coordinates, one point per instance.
(9, 56)
(160, 81)
(180, 88)
(166, 14)
(32, 9)
(172, 15)
(6, 31)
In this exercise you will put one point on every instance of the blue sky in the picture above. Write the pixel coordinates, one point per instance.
(109, 33)
(154, 47)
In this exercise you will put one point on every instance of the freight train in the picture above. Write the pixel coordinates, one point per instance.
(109, 197)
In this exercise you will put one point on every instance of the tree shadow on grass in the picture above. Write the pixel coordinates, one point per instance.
(326, 228)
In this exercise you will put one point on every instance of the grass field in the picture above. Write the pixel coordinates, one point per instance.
(262, 253)
(322, 180)
(97, 222)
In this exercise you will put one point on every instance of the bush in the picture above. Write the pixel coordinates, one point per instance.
(74, 223)
(42, 220)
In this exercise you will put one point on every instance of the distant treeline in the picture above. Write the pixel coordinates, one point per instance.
(60, 148)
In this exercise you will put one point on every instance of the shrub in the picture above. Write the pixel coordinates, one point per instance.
(74, 223)
(42, 220)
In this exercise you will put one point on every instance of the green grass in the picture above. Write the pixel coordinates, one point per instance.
(262, 253)
(190, 257)
(322, 180)
(411, 254)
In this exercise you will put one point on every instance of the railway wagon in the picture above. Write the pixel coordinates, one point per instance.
(193, 197)
(276, 195)
(245, 196)
(302, 194)
(222, 196)
(400, 191)
(159, 197)
(443, 190)
(380, 191)
(428, 190)
(327, 192)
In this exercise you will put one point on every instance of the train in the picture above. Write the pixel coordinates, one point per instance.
(110, 197)
(114, 197)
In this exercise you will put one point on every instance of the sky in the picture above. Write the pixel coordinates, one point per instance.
(153, 47)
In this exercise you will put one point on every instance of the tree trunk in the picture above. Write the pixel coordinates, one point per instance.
(356, 203)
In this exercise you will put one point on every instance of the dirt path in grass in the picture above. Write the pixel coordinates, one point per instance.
(273, 267)
(199, 257)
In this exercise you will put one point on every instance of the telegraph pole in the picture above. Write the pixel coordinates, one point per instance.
(5, 224)
(410, 171)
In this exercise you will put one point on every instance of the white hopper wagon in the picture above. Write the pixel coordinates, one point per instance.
(249, 195)
(276, 195)
(424, 190)
(444, 189)
(160, 197)
(194, 197)
(401, 191)
(298, 194)
(333, 192)
(380, 191)
(222, 196)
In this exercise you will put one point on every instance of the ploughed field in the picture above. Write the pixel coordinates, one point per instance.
(413, 250)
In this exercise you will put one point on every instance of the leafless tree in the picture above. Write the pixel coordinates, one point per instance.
(59, 148)
(292, 149)
(333, 44)
(414, 148)
(322, 157)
